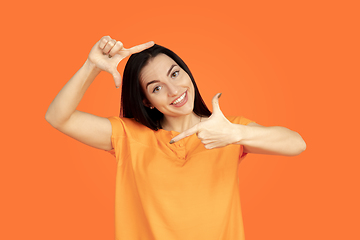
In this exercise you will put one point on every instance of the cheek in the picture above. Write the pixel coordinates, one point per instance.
(192, 87)
(156, 99)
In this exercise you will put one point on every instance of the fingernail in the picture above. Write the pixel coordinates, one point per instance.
(117, 87)
(219, 95)
(172, 141)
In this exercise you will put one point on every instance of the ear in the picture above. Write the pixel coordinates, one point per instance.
(146, 103)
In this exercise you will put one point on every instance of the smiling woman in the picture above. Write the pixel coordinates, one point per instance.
(154, 82)
(177, 172)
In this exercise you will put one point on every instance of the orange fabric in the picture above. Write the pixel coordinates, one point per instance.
(174, 191)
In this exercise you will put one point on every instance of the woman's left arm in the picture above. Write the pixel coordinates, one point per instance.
(269, 140)
(217, 131)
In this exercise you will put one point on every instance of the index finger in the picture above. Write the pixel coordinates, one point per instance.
(141, 47)
(185, 134)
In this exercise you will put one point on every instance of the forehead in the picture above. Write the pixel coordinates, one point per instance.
(156, 67)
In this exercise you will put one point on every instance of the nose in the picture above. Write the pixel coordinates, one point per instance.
(172, 90)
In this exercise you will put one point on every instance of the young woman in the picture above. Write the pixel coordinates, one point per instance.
(177, 163)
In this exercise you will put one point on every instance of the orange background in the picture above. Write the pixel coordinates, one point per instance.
(287, 63)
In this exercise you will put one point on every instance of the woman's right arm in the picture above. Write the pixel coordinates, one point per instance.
(62, 114)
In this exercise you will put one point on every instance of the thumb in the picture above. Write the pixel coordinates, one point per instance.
(215, 104)
(117, 78)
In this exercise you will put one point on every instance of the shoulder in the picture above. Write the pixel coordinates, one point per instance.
(126, 125)
(239, 120)
(125, 131)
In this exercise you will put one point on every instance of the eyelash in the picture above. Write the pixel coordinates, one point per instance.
(172, 76)
(156, 88)
(178, 72)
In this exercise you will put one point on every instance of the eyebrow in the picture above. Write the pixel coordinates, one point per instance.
(154, 81)
(168, 73)
(172, 66)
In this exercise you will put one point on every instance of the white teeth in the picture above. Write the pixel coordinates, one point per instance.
(179, 99)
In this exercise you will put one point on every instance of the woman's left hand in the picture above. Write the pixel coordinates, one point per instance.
(214, 132)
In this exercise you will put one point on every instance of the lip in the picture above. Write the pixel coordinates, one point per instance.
(183, 101)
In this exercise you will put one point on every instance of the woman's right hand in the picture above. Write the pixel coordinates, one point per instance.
(107, 53)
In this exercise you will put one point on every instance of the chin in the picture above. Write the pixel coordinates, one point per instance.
(188, 111)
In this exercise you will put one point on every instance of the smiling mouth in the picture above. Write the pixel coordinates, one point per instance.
(179, 99)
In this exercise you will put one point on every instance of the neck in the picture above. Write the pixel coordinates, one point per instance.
(180, 124)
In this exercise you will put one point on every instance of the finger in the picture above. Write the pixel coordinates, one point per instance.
(200, 135)
(116, 48)
(185, 134)
(211, 145)
(103, 41)
(141, 47)
(109, 45)
(215, 104)
(205, 142)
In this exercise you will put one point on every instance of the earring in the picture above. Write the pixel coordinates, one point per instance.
(151, 107)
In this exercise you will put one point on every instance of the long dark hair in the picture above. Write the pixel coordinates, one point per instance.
(132, 105)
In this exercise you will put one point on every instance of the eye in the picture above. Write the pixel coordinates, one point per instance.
(156, 89)
(175, 74)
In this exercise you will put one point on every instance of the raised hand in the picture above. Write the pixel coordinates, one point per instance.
(107, 53)
(214, 132)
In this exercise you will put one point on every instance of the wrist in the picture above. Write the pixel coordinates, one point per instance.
(91, 67)
(239, 133)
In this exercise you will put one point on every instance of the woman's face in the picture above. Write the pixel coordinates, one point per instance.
(167, 87)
